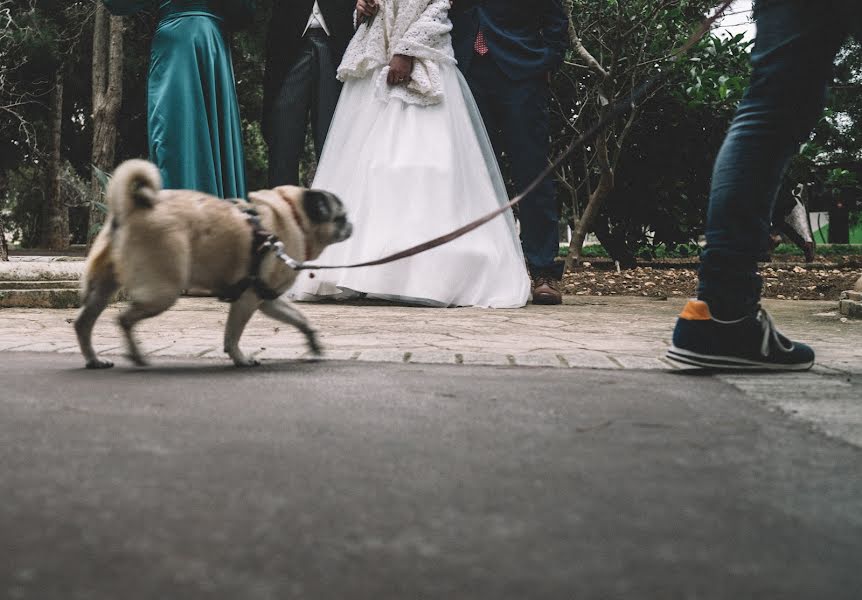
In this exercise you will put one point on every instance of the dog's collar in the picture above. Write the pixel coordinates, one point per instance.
(302, 228)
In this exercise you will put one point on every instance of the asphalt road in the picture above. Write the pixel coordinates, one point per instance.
(373, 481)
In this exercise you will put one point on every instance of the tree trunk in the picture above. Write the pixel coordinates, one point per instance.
(55, 215)
(107, 99)
(607, 181)
(4, 248)
(597, 200)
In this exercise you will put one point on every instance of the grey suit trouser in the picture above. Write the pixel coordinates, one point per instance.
(309, 89)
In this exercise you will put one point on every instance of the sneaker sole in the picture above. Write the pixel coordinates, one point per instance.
(730, 363)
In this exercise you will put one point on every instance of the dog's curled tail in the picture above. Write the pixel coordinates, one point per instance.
(134, 185)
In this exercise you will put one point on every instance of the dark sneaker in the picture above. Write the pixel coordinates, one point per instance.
(752, 342)
(547, 290)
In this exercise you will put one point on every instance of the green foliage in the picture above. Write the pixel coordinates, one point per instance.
(822, 250)
(23, 203)
(718, 73)
(23, 198)
(248, 58)
(830, 163)
(646, 252)
(665, 163)
(841, 178)
(662, 156)
(256, 162)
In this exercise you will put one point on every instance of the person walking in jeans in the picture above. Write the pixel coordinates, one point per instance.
(792, 60)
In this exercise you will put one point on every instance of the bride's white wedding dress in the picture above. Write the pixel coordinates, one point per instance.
(409, 166)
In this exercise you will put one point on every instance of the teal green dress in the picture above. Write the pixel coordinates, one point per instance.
(193, 122)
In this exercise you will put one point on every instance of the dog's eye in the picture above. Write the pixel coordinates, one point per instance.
(317, 206)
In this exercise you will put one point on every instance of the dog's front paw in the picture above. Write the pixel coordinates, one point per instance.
(138, 360)
(246, 362)
(314, 345)
(99, 364)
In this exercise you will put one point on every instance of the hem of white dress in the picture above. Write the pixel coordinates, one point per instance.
(347, 294)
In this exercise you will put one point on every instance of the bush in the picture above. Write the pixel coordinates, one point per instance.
(24, 201)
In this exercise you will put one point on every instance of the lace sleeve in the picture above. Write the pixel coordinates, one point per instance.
(427, 37)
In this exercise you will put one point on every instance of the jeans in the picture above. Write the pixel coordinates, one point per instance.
(517, 117)
(792, 61)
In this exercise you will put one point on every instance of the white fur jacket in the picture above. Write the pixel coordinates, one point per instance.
(417, 28)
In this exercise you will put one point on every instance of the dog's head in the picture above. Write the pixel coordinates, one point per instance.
(319, 214)
(326, 213)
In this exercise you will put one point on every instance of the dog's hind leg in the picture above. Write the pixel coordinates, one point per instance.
(138, 311)
(240, 312)
(96, 298)
(287, 313)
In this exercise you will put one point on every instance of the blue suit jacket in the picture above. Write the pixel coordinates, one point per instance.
(525, 38)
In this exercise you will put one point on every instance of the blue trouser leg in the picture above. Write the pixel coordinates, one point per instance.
(796, 44)
(516, 114)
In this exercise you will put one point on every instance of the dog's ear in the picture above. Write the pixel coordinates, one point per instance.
(318, 206)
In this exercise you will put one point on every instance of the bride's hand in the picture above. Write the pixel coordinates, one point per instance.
(366, 8)
(400, 68)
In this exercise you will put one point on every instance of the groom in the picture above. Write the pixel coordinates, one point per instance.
(306, 41)
(507, 52)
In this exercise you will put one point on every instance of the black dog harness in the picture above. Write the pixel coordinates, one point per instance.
(262, 243)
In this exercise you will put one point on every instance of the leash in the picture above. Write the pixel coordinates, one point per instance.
(617, 111)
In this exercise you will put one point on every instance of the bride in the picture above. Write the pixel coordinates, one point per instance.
(408, 154)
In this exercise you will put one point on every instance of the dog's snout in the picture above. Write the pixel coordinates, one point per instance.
(346, 231)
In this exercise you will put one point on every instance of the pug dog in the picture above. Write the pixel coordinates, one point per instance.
(156, 243)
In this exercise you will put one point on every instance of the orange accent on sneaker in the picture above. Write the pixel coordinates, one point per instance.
(696, 310)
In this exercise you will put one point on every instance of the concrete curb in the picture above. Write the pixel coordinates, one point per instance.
(40, 283)
(850, 304)
(40, 298)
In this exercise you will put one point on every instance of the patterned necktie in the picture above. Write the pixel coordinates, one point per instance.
(480, 46)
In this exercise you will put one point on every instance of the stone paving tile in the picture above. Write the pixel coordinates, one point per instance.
(433, 357)
(338, 355)
(276, 353)
(642, 362)
(587, 359)
(537, 360)
(484, 358)
(382, 355)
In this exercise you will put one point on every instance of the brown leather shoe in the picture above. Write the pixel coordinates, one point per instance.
(547, 290)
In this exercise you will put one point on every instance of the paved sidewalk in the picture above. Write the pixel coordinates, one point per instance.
(596, 332)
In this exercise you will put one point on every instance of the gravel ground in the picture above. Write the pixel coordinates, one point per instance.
(784, 281)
